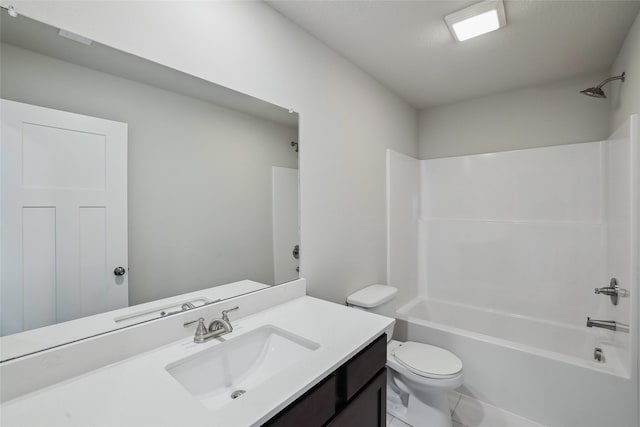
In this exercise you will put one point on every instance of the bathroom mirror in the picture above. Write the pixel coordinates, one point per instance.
(126, 183)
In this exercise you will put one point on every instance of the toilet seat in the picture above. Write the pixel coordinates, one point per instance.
(427, 360)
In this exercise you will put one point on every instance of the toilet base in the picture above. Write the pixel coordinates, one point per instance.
(432, 410)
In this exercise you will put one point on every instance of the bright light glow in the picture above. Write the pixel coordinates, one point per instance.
(479, 18)
(75, 37)
(477, 25)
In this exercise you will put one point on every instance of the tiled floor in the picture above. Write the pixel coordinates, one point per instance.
(469, 412)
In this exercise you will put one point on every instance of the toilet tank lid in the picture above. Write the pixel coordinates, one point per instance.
(372, 296)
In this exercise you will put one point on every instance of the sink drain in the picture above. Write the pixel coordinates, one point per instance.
(236, 394)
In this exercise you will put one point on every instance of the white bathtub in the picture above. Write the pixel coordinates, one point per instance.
(541, 370)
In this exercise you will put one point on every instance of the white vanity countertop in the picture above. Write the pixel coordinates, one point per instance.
(140, 392)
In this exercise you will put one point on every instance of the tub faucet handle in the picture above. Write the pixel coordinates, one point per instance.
(613, 291)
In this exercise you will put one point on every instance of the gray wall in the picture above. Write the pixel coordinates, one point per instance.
(347, 119)
(199, 174)
(545, 115)
(625, 97)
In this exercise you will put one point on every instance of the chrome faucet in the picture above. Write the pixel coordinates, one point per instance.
(611, 325)
(217, 327)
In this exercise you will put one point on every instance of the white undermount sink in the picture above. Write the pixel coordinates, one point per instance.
(222, 373)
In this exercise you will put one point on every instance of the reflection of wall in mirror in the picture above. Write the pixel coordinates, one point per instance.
(199, 174)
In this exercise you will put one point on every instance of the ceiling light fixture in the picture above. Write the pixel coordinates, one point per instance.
(477, 19)
(75, 37)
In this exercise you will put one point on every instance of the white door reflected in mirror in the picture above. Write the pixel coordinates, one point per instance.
(64, 216)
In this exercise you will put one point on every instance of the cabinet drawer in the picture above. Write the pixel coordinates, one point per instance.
(358, 371)
(313, 409)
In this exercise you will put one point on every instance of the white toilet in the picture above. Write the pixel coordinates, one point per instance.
(419, 375)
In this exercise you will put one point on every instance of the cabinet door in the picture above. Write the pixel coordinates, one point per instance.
(358, 371)
(368, 408)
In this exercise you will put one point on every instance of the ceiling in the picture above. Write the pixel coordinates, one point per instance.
(407, 47)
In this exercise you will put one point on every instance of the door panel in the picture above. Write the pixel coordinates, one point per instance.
(93, 259)
(39, 265)
(64, 216)
(62, 158)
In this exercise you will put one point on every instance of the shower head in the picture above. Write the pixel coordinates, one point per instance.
(597, 91)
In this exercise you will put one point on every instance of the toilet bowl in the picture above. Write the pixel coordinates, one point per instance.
(418, 379)
(418, 375)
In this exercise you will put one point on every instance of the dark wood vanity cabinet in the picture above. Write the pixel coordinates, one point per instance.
(368, 407)
(354, 394)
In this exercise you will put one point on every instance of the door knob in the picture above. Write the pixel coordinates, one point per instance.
(119, 271)
(296, 252)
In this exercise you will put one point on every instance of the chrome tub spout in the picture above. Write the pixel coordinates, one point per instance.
(611, 325)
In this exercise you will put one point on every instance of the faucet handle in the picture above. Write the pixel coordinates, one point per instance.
(225, 313)
(201, 330)
(613, 291)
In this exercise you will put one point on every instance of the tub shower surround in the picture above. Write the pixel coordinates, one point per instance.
(510, 248)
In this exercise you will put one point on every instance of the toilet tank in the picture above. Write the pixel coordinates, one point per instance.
(378, 299)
